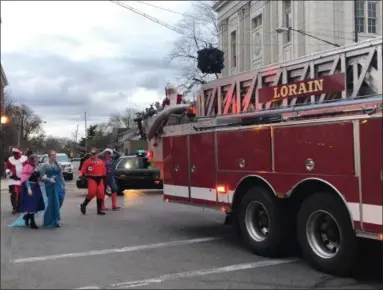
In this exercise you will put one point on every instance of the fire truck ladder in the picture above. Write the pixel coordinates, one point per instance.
(361, 64)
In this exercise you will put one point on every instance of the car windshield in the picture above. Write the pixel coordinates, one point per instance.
(133, 163)
(62, 158)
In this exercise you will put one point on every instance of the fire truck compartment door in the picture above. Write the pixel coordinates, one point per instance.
(371, 157)
(202, 167)
(176, 167)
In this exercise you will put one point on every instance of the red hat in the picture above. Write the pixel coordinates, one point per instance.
(16, 150)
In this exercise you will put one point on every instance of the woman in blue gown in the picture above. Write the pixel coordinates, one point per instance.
(54, 189)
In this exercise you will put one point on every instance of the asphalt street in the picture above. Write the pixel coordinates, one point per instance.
(153, 245)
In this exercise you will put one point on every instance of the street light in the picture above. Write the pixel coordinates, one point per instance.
(4, 119)
(285, 29)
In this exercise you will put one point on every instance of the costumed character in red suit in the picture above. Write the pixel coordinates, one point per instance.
(172, 96)
(95, 171)
(13, 169)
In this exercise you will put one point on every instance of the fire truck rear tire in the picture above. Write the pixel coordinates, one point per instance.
(263, 223)
(325, 234)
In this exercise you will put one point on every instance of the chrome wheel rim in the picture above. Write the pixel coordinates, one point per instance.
(323, 234)
(257, 221)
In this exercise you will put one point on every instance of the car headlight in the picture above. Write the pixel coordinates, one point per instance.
(128, 165)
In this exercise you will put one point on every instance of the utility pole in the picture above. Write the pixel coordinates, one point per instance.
(74, 149)
(76, 134)
(86, 137)
(355, 22)
(20, 127)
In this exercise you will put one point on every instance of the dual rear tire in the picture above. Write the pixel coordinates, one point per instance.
(325, 234)
(263, 223)
(322, 228)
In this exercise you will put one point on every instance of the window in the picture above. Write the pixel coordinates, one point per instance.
(133, 163)
(233, 40)
(256, 22)
(62, 158)
(287, 20)
(365, 16)
(371, 8)
(359, 16)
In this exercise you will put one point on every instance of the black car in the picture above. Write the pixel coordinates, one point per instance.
(135, 172)
(132, 172)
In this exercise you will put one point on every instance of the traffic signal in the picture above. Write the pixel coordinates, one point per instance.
(210, 60)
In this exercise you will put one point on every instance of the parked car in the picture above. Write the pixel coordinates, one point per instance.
(133, 172)
(66, 165)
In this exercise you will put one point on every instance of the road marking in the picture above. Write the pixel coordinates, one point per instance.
(198, 273)
(118, 250)
(89, 287)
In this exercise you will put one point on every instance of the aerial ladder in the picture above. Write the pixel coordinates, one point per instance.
(359, 64)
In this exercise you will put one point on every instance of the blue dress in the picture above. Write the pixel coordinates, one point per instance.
(55, 193)
(34, 203)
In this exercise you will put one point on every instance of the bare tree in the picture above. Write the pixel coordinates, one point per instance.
(123, 120)
(23, 119)
(31, 123)
(200, 30)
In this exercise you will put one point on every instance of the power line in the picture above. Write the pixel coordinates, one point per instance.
(175, 29)
(123, 5)
(168, 10)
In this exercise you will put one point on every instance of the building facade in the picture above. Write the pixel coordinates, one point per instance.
(4, 83)
(249, 37)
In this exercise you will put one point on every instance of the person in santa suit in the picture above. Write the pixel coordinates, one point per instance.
(94, 169)
(172, 96)
(13, 169)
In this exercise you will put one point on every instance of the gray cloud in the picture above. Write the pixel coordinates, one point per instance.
(55, 85)
(43, 75)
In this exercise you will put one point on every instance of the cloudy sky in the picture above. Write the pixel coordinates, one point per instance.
(63, 58)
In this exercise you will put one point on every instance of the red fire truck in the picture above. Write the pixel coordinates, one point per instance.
(292, 153)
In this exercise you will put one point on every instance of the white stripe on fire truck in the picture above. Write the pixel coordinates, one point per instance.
(196, 192)
(372, 214)
(176, 190)
(209, 194)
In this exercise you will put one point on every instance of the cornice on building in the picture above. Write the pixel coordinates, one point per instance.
(3, 77)
(219, 4)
